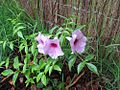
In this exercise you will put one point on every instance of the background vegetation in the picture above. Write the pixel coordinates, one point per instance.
(21, 18)
(102, 18)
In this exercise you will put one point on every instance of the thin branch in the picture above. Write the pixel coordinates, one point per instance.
(75, 81)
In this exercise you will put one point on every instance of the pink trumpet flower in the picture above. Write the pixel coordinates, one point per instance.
(41, 42)
(53, 49)
(77, 42)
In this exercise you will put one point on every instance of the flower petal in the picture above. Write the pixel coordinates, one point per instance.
(41, 42)
(78, 42)
(40, 48)
(53, 49)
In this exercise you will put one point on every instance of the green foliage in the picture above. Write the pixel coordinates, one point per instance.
(19, 33)
(11, 45)
(40, 68)
(39, 76)
(81, 66)
(92, 67)
(56, 67)
(43, 80)
(89, 57)
(7, 72)
(15, 76)
(7, 63)
(18, 49)
(1, 63)
(71, 62)
(16, 63)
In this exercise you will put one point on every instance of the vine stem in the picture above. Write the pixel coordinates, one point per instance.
(75, 81)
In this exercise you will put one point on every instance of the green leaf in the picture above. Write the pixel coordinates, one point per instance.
(61, 85)
(81, 27)
(89, 57)
(60, 29)
(39, 77)
(81, 66)
(92, 67)
(71, 62)
(26, 49)
(15, 76)
(56, 67)
(16, 63)
(62, 39)
(49, 61)
(41, 64)
(66, 33)
(7, 72)
(27, 59)
(7, 62)
(32, 81)
(27, 73)
(31, 36)
(21, 47)
(1, 42)
(15, 30)
(40, 85)
(43, 80)
(35, 60)
(47, 68)
(4, 45)
(1, 63)
(53, 29)
(54, 62)
(33, 48)
(72, 23)
(58, 33)
(34, 67)
(11, 46)
(19, 33)
(69, 29)
(28, 81)
(50, 70)
(24, 68)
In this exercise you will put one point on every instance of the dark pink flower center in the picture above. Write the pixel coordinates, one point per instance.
(75, 42)
(53, 45)
(41, 41)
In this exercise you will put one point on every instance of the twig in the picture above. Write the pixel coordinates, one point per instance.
(5, 78)
(75, 81)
